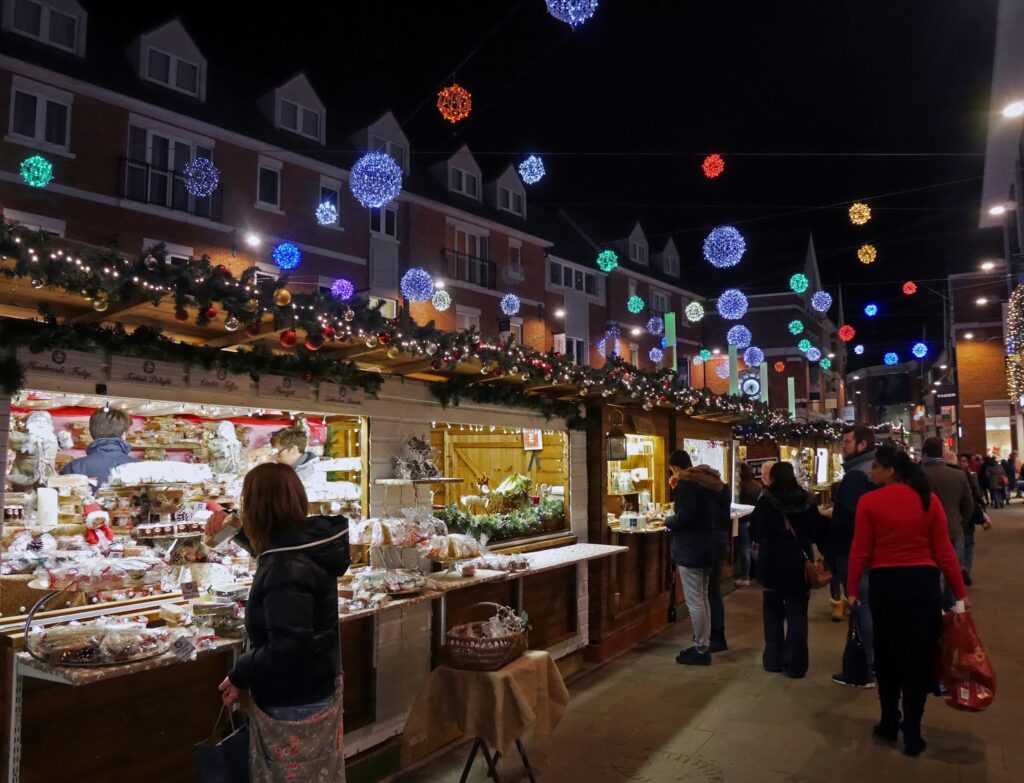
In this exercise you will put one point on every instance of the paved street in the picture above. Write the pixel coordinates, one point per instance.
(644, 718)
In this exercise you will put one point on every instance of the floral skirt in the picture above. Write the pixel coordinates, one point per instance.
(298, 751)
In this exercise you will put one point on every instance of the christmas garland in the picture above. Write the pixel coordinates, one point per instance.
(783, 430)
(1015, 343)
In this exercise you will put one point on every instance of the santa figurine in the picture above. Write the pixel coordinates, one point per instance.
(97, 521)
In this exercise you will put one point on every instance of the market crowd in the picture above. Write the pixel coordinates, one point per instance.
(895, 548)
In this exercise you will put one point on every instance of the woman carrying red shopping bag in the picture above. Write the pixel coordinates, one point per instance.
(901, 534)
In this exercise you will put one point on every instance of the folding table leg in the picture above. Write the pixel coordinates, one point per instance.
(492, 763)
(526, 761)
(472, 757)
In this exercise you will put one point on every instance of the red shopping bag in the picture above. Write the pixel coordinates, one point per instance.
(964, 668)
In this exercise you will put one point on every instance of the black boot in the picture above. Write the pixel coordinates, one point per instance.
(913, 742)
(718, 643)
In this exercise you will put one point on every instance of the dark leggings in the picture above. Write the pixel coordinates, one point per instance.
(906, 606)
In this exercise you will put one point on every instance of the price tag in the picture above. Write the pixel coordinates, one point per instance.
(184, 649)
(189, 590)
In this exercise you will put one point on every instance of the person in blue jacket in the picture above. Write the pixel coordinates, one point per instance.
(108, 448)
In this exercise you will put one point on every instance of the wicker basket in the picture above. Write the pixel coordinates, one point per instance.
(468, 648)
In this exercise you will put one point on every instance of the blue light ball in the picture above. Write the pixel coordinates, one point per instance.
(739, 336)
(722, 370)
(753, 356)
(376, 180)
(510, 304)
(871, 310)
(920, 350)
(655, 325)
(602, 347)
(859, 350)
(821, 301)
(287, 255)
(532, 170)
(201, 177)
(732, 304)
(813, 355)
(891, 358)
(724, 247)
(342, 289)
(656, 355)
(417, 285)
(572, 12)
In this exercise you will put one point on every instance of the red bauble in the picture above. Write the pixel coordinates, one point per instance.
(222, 269)
(501, 343)
(328, 332)
(496, 372)
(847, 333)
(181, 315)
(384, 338)
(253, 329)
(210, 313)
(314, 343)
(713, 165)
(910, 288)
(780, 366)
(289, 337)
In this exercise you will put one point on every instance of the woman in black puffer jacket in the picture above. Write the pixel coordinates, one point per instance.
(780, 568)
(293, 663)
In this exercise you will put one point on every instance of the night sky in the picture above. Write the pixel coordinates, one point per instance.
(813, 104)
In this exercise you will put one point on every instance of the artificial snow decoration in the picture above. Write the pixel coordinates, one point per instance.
(655, 325)
(37, 171)
(739, 336)
(454, 102)
(694, 312)
(635, 304)
(722, 370)
(441, 300)
(287, 255)
(376, 180)
(326, 214)
(920, 350)
(813, 355)
(417, 285)
(821, 301)
(201, 177)
(572, 12)
(858, 349)
(796, 327)
(713, 165)
(342, 289)
(860, 213)
(799, 283)
(607, 260)
(825, 363)
(656, 355)
(804, 345)
(871, 310)
(532, 170)
(732, 304)
(724, 247)
(753, 356)
(891, 358)
(847, 333)
(510, 304)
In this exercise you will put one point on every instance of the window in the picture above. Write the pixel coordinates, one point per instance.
(384, 221)
(396, 151)
(176, 255)
(463, 182)
(329, 190)
(660, 302)
(153, 170)
(388, 307)
(40, 118)
(268, 186)
(515, 331)
(568, 277)
(515, 260)
(299, 119)
(46, 24)
(466, 317)
(510, 201)
(632, 287)
(172, 71)
(577, 350)
(670, 265)
(634, 354)
(637, 252)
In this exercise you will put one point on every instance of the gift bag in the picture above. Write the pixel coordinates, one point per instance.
(223, 760)
(855, 657)
(296, 751)
(964, 668)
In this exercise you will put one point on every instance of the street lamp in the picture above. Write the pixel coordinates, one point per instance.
(988, 266)
(997, 210)
(1013, 110)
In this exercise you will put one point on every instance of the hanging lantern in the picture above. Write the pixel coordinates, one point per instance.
(343, 289)
(37, 171)
(441, 300)
(287, 255)
(616, 440)
(799, 283)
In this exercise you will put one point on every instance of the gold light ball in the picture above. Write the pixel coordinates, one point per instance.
(867, 254)
(371, 341)
(350, 314)
(232, 324)
(860, 213)
(282, 297)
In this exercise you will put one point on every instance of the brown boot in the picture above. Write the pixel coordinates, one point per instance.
(837, 610)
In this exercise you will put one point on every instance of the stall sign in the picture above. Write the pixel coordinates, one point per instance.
(533, 440)
(217, 381)
(63, 364)
(337, 394)
(284, 388)
(146, 372)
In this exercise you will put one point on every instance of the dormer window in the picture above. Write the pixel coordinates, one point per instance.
(511, 201)
(670, 265)
(637, 252)
(169, 57)
(59, 27)
(395, 150)
(172, 71)
(299, 119)
(464, 182)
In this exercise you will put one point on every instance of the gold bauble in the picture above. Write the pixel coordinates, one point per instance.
(393, 352)
(282, 297)
(85, 294)
(252, 305)
(100, 305)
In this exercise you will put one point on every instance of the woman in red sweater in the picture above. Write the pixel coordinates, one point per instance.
(901, 535)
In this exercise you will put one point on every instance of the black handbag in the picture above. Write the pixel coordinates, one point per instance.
(855, 657)
(223, 760)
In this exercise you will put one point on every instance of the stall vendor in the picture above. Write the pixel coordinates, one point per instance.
(108, 448)
(291, 447)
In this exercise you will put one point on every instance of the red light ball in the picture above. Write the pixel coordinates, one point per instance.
(847, 333)
(314, 343)
(713, 165)
(910, 288)
(780, 366)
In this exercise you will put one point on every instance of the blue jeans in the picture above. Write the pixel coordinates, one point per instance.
(948, 599)
(299, 711)
(743, 548)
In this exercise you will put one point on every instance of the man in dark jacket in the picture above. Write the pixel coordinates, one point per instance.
(954, 492)
(108, 449)
(698, 507)
(858, 454)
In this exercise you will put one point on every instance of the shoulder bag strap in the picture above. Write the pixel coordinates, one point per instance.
(792, 532)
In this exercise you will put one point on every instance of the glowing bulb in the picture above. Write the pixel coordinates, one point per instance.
(997, 210)
(1013, 110)
(253, 240)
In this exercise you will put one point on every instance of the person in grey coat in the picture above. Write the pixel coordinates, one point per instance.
(954, 492)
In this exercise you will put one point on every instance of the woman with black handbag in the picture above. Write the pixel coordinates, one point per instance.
(785, 524)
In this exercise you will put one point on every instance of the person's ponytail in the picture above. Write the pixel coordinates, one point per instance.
(907, 471)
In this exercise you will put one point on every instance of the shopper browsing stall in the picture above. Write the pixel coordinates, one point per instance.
(108, 449)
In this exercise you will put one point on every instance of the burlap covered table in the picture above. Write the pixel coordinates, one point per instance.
(526, 697)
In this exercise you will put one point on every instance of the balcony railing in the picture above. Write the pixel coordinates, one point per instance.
(147, 184)
(470, 269)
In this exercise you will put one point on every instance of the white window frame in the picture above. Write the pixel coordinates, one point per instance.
(586, 274)
(44, 26)
(273, 165)
(515, 271)
(670, 265)
(466, 317)
(667, 300)
(515, 328)
(389, 308)
(631, 286)
(326, 183)
(173, 252)
(172, 71)
(43, 93)
(509, 206)
(387, 146)
(381, 230)
(574, 344)
(634, 354)
(54, 226)
(299, 109)
(637, 252)
(463, 178)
